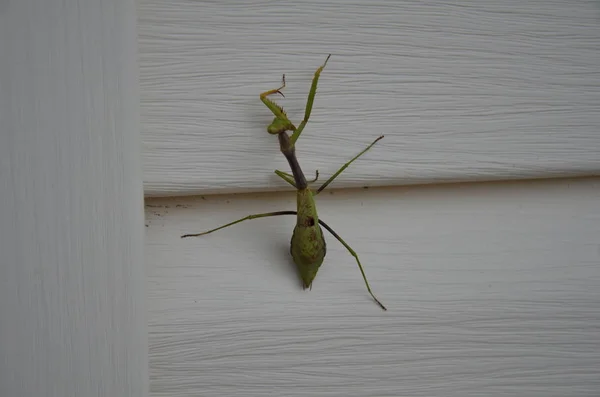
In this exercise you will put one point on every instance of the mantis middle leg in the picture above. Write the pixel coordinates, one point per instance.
(343, 167)
(289, 178)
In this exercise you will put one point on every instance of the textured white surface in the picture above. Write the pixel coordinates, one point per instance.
(72, 280)
(492, 290)
(462, 90)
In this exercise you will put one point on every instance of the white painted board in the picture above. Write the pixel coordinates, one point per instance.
(493, 289)
(72, 277)
(462, 90)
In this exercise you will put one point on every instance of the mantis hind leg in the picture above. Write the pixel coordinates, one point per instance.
(351, 251)
(254, 216)
(343, 167)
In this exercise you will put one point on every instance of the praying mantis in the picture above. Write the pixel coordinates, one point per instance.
(308, 246)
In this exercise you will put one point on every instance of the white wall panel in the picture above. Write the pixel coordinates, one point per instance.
(72, 280)
(462, 90)
(492, 290)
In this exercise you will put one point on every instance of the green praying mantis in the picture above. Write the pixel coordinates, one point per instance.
(308, 246)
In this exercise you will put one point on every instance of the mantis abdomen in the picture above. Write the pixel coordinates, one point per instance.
(308, 247)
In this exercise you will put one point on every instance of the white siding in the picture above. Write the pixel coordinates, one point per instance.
(72, 280)
(492, 290)
(462, 90)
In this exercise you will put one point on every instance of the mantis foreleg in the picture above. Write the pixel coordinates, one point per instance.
(309, 102)
(276, 109)
(351, 251)
(281, 123)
